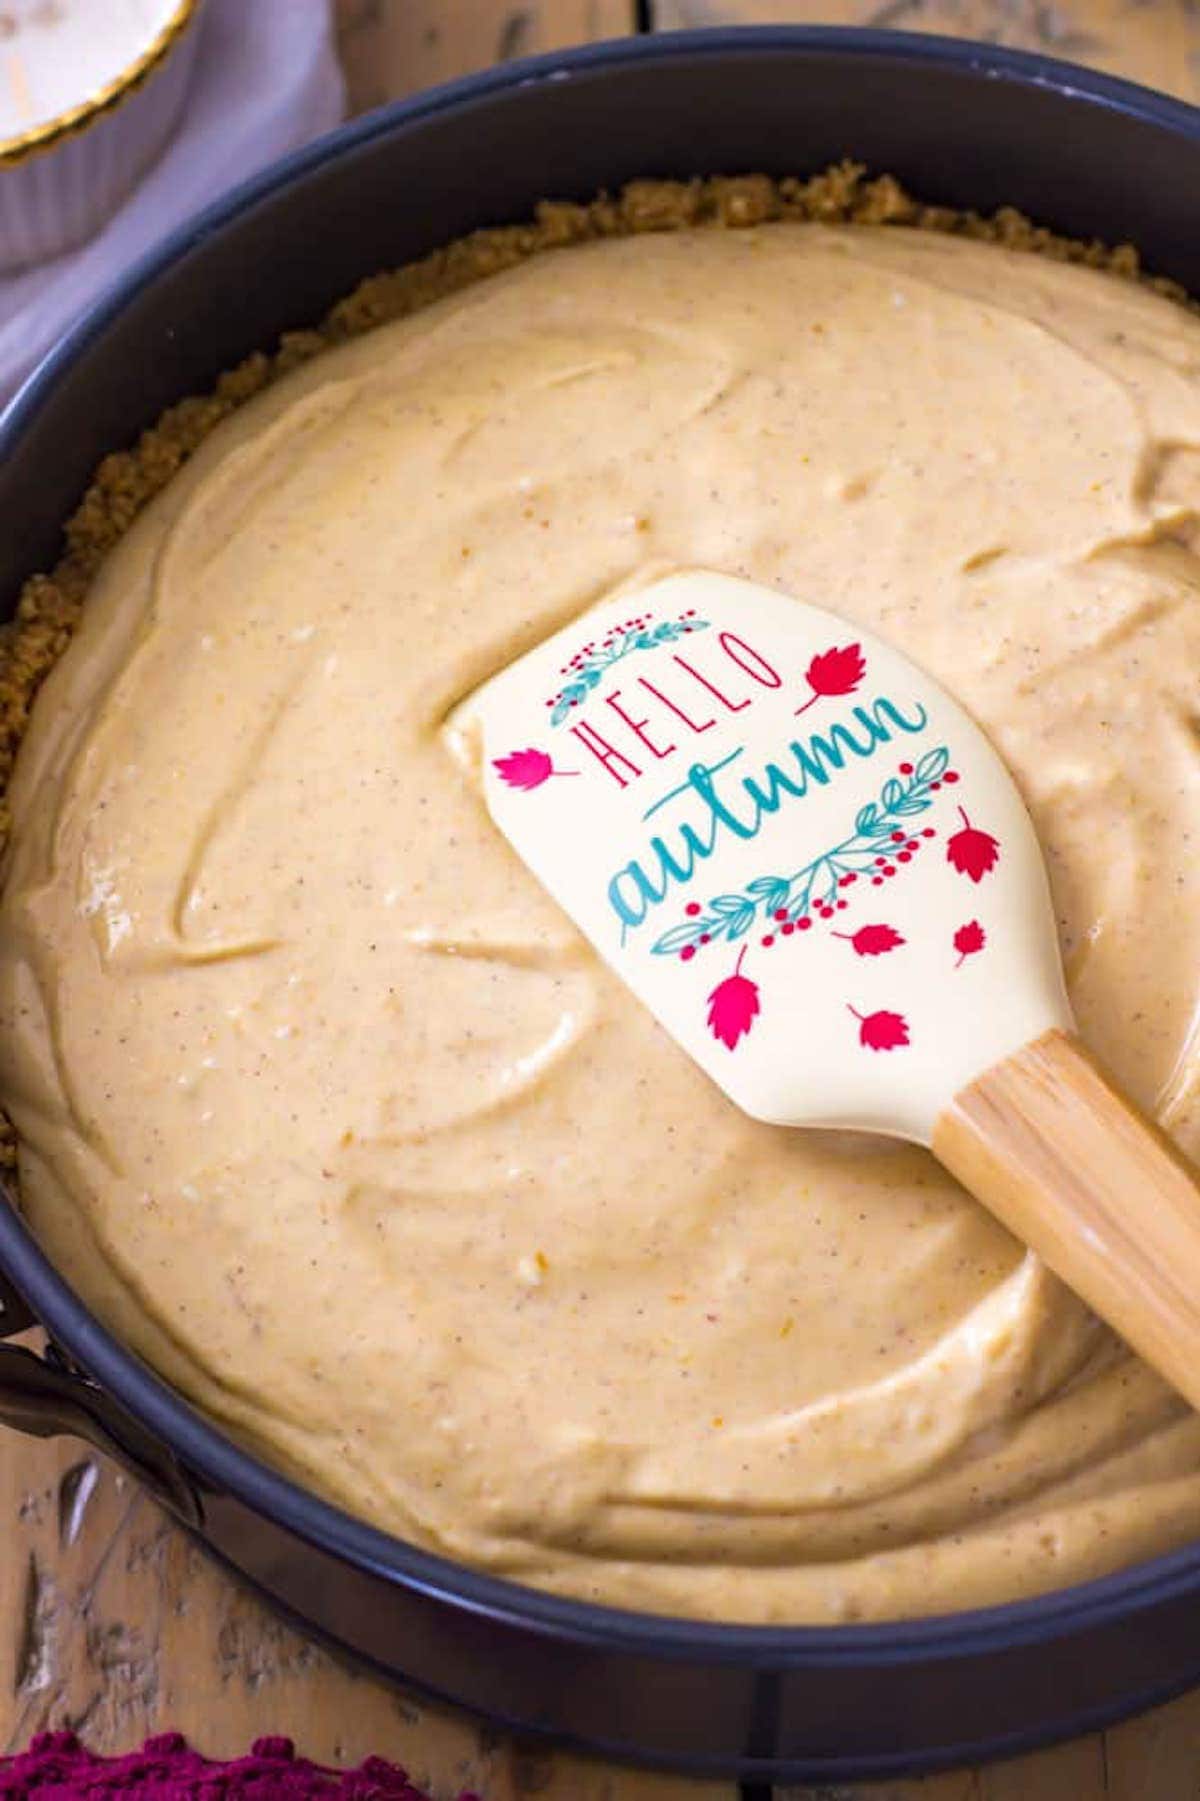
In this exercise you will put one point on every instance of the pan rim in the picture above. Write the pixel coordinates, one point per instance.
(201, 1446)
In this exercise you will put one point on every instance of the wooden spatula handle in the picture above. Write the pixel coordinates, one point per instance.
(1072, 1167)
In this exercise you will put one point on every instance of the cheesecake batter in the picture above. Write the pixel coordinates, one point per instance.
(331, 1113)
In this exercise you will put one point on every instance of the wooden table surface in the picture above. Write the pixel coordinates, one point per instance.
(110, 1621)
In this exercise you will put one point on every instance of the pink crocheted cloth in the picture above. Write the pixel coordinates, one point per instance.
(56, 1767)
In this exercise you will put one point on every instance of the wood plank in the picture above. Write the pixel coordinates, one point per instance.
(956, 1785)
(393, 47)
(1155, 1757)
(1153, 41)
(1076, 1769)
(115, 1625)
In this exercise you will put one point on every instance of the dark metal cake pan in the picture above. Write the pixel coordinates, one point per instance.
(960, 124)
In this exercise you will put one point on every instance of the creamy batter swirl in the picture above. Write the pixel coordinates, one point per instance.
(328, 1110)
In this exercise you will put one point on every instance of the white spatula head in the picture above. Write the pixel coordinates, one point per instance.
(795, 848)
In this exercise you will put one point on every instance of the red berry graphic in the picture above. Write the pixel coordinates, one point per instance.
(688, 952)
(781, 913)
(951, 775)
(906, 769)
(787, 928)
(804, 925)
(768, 941)
(904, 856)
(706, 937)
(692, 908)
(928, 832)
(897, 837)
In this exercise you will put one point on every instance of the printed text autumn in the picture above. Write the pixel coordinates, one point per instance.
(719, 802)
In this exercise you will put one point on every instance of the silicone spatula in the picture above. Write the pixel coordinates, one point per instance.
(812, 866)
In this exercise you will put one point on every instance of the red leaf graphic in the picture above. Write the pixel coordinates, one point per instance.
(872, 941)
(837, 671)
(527, 768)
(882, 1031)
(733, 1007)
(972, 852)
(968, 939)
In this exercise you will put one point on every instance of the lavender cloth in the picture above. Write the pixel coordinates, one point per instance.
(266, 80)
(56, 1767)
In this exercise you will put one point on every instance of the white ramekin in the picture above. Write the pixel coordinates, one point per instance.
(61, 181)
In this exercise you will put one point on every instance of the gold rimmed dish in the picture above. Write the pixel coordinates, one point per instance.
(63, 177)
